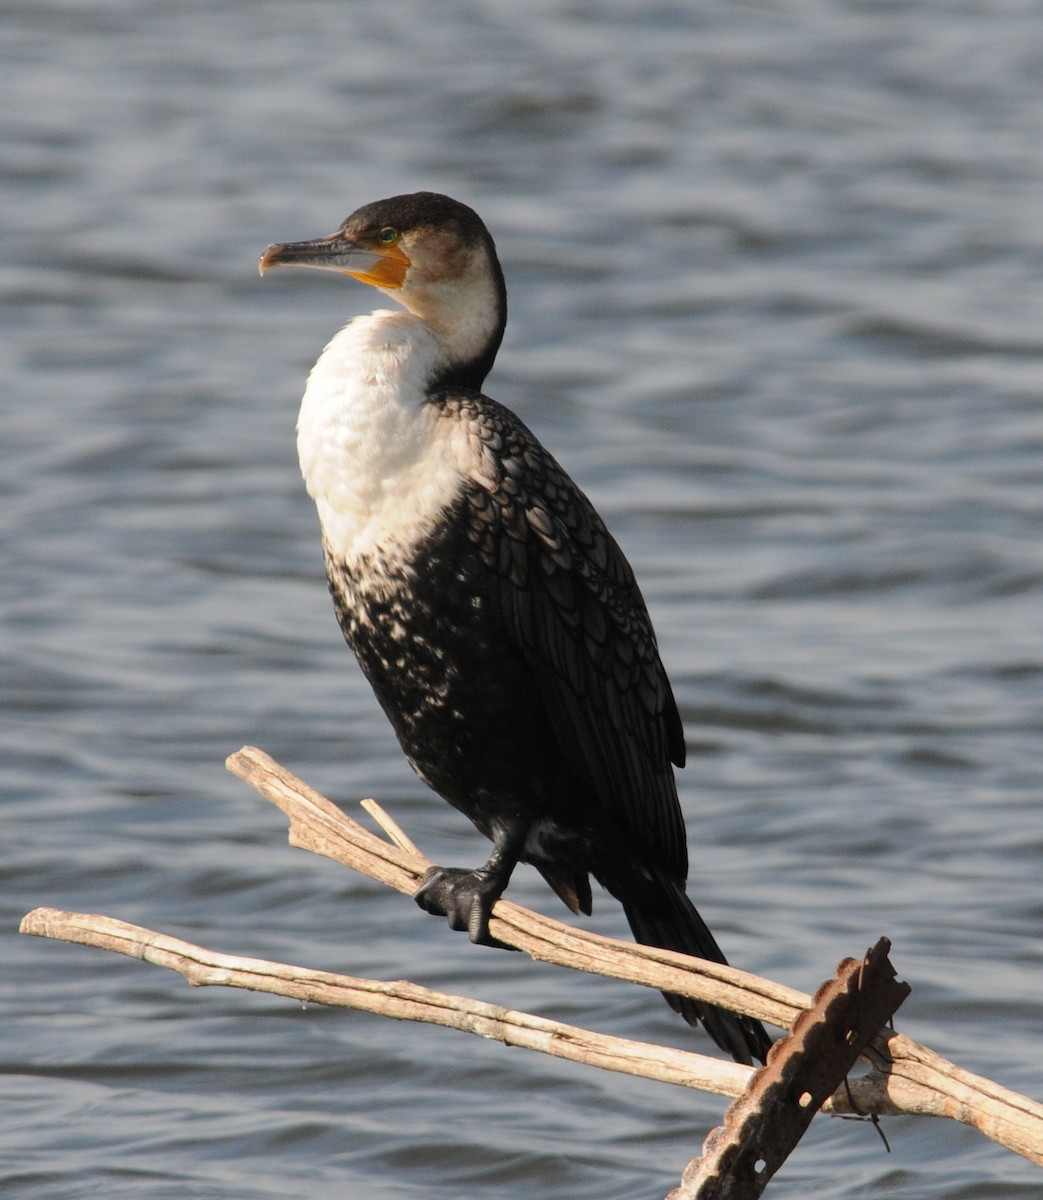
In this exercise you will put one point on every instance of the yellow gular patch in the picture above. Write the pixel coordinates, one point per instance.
(388, 271)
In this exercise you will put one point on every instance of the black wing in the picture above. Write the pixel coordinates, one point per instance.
(572, 606)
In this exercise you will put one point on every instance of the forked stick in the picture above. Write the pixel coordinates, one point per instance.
(904, 1077)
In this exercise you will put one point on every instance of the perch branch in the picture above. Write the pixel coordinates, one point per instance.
(401, 1000)
(905, 1077)
(318, 825)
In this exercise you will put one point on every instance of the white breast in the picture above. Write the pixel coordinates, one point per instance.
(379, 463)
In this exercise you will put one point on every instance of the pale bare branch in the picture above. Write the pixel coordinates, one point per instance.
(400, 1000)
(905, 1077)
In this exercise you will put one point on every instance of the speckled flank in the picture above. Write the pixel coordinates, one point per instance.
(519, 546)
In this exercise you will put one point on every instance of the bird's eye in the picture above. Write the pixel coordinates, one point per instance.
(387, 235)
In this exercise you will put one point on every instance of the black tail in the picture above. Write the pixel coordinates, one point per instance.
(660, 914)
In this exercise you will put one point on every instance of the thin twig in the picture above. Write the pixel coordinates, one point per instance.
(391, 827)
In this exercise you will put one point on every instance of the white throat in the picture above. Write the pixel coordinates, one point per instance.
(379, 464)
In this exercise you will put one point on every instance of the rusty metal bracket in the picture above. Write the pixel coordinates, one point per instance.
(763, 1126)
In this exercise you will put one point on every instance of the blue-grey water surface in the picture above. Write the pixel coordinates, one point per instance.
(776, 284)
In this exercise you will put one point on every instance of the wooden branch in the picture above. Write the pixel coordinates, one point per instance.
(400, 1000)
(318, 825)
(904, 1078)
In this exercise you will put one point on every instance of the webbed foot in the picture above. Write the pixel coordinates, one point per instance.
(465, 898)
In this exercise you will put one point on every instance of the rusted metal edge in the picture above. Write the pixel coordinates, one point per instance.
(762, 1127)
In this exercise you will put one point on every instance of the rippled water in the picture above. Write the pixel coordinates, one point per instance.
(775, 280)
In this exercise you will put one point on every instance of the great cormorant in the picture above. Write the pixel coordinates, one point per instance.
(494, 615)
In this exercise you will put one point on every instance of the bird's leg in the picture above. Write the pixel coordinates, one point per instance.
(466, 897)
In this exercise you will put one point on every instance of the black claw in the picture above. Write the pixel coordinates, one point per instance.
(465, 898)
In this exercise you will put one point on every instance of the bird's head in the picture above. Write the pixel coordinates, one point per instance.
(429, 252)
